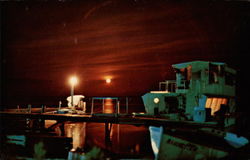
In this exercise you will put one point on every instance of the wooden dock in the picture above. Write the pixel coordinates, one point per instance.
(106, 118)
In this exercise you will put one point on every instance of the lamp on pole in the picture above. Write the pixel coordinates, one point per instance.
(73, 82)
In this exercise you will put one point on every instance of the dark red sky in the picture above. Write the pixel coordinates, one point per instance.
(133, 41)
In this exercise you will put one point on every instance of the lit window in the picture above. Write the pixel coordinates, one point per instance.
(214, 103)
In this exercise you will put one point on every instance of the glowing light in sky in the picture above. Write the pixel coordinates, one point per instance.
(108, 80)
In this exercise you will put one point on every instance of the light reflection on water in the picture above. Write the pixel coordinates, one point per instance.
(122, 139)
(108, 106)
(78, 133)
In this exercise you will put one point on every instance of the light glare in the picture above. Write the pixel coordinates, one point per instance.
(156, 100)
(73, 81)
(108, 80)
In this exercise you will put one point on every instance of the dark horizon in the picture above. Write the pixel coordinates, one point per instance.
(134, 42)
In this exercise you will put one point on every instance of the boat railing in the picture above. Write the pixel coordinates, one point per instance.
(112, 101)
(169, 86)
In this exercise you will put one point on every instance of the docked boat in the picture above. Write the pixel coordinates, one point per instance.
(203, 94)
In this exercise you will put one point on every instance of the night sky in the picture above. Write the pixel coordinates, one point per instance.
(133, 42)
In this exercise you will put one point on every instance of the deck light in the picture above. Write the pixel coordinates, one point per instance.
(156, 100)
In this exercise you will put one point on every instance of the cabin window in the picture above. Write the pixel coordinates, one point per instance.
(214, 103)
(213, 77)
(214, 72)
(184, 76)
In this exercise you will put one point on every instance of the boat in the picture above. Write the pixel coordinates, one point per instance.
(202, 95)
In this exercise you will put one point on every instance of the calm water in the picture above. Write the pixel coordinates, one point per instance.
(122, 140)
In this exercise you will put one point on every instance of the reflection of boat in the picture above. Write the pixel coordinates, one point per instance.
(204, 93)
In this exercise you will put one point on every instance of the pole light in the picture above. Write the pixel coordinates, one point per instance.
(73, 81)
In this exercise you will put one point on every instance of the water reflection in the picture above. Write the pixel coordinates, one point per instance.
(108, 106)
(78, 133)
(120, 139)
(125, 140)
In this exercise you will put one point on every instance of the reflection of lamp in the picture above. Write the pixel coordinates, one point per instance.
(73, 82)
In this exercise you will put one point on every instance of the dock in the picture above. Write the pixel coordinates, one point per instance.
(147, 120)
